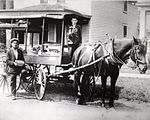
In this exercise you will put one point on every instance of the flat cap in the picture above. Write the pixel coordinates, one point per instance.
(14, 39)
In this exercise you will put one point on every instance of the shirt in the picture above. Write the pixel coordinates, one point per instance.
(16, 53)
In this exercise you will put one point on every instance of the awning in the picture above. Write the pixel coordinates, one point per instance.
(9, 25)
(54, 16)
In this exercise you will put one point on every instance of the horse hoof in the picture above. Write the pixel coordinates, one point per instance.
(103, 104)
(111, 106)
(80, 102)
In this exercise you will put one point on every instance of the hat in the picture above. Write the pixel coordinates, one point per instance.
(14, 39)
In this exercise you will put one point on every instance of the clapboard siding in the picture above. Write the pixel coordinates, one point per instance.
(109, 17)
(85, 33)
(132, 21)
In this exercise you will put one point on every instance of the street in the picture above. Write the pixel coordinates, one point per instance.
(27, 107)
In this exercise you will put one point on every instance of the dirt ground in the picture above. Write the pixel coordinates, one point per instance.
(63, 107)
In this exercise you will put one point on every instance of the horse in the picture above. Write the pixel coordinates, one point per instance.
(114, 54)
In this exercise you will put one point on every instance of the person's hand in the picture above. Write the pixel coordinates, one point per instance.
(15, 63)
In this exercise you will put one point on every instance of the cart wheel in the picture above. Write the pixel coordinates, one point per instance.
(27, 84)
(28, 78)
(40, 83)
(4, 85)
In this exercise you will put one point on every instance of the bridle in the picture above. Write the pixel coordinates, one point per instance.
(134, 56)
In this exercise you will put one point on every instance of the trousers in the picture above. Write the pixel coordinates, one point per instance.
(13, 79)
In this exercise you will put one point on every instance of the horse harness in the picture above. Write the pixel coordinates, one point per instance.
(135, 56)
(112, 57)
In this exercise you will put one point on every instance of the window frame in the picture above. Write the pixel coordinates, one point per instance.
(125, 7)
(125, 31)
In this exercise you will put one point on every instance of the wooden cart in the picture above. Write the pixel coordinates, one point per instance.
(43, 39)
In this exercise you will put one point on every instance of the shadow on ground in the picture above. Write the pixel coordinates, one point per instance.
(65, 91)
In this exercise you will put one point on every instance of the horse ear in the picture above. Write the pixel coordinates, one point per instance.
(136, 42)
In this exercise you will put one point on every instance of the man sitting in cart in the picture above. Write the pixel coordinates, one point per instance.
(15, 64)
(74, 36)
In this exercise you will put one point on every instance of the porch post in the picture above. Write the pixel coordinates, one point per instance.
(43, 31)
(62, 38)
(26, 36)
(142, 23)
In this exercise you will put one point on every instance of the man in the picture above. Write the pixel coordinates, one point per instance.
(15, 64)
(74, 36)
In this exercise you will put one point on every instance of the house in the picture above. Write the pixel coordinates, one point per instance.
(117, 18)
(31, 12)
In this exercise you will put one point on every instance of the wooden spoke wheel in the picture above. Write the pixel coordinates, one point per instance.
(40, 83)
(27, 83)
(28, 78)
(4, 83)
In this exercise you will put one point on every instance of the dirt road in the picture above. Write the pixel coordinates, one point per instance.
(57, 107)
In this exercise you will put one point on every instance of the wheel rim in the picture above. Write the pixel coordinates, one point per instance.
(40, 84)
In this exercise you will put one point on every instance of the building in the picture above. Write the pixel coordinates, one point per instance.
(144, 20)
(32, 11)
(117, 18)
(144, 8)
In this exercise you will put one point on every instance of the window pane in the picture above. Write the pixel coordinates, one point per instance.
(125, 6)
(51, 33)
(124, 31)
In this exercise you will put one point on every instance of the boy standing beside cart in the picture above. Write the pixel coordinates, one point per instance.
(15, 64)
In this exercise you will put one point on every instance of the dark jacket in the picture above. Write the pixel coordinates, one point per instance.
(10, 59)
(75, 36)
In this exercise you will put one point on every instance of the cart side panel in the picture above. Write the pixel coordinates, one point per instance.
(42, 59)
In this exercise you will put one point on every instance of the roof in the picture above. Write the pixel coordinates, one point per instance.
(56, 11)
(44, 7)
(143, 4)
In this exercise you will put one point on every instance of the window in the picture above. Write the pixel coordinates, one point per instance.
(21, 37)
(125, 7)
(44, 1)
(54, 33)
(125, 31)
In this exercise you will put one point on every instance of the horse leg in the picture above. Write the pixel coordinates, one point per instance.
(104, 81)
(78, 80)
(112, 94)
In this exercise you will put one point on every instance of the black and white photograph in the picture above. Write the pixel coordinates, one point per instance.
(74, 59)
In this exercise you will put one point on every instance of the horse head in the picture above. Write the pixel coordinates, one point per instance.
(138, 54)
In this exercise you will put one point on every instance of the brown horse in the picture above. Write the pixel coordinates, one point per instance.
(117, 53)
